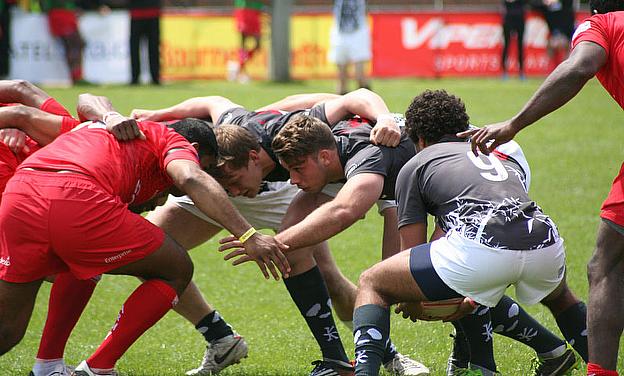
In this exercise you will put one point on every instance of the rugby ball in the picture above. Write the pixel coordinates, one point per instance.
(439, 309)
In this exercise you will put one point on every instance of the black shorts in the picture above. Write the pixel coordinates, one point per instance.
(426, 277)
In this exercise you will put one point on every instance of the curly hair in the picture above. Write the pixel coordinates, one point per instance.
(605, 6)
(433, 114)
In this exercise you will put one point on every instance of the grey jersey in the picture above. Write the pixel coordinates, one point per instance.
(358, 155)
(483, 198)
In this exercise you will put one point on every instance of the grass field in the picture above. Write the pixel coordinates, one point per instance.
(574, 154)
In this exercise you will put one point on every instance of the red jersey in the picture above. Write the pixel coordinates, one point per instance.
(50, 106)
(134, 170)
(607, 30)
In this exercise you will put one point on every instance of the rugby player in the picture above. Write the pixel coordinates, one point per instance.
(496, 236)
(86, 196)
(596, 51)
(249, 168)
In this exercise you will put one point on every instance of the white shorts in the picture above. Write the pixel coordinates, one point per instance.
(267, 209)
(483, 274)
(347, 48)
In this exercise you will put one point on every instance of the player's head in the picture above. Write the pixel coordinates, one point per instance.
(433, 115)
(199, 132)
(238, 168)
(605, 6)
(305, 146)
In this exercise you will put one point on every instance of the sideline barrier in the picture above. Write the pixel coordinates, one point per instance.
(198, 45)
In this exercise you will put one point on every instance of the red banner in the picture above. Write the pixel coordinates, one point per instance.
(453, 44)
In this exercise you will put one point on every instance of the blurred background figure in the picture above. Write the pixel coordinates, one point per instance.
(559, 16)
(248, 23)
(350, 42)
(5, 36)
(63, 23)
(513, 23)
(145, 25)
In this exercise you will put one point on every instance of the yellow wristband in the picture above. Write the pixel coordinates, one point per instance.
(248, 234)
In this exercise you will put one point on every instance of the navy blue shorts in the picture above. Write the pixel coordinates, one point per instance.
(426, 277)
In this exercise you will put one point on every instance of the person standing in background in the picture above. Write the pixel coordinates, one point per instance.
(5, 36)
(513, 22)
(145, 24)
(248, 23)
(350, 42)
(63, 23)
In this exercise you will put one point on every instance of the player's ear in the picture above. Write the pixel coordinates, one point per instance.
(324, 156)
(254, 155)
(195, 145)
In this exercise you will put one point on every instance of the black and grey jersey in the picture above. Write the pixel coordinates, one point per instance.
(358, 155)
(484, 198)
(265, 125)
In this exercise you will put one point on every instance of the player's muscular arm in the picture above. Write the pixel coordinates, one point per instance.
(39, 125)
(21, 91)
(355, 198)
(200, 107)
(99, 108)
(212, 200)
(413, 234)
(366, 104)
(560, 86)
(299, 102)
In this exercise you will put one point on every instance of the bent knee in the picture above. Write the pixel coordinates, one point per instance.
(9, 337)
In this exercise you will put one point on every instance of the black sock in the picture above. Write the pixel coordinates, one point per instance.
(371, 331)
(511, 320)
(389, 352)
(573, 325)
(213, 327)
(477, 328)
(309, 292)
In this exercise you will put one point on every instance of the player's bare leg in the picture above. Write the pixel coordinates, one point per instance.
(606, 296)
(191, 231)
(343, 78)
(16, 304)
(146, 305)
(341, 290)
(360, 75)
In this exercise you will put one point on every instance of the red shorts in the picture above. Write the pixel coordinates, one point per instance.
(613, 207)
(247, 21)
(8, 164)
(53, 222)
(63, 22)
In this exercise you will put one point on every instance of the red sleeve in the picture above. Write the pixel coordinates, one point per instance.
(593, 29)
(169, 144)
(68, 124)
(51, 106)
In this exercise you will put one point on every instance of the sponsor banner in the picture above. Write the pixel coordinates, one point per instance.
(435, 44)
(38, 57)
(200, 46)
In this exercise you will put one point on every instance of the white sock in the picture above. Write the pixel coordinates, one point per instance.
(46, 366)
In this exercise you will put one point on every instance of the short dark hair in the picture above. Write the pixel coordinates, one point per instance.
(301, 137)
(605, 6)
(200, 131)
(434, 114)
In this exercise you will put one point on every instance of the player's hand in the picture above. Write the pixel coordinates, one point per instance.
(15, 139)
(411, 310)
(386, 132)
(265, 250)
(489, 137)
(123, 128)
(142, 115)
(466, 307)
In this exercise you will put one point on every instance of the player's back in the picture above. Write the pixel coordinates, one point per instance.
(133, 170)
(482, 197)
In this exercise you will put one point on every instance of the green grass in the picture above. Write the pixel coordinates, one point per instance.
(574, 154)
